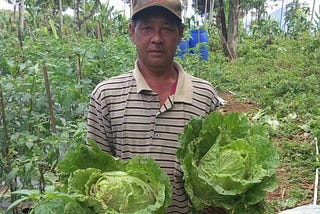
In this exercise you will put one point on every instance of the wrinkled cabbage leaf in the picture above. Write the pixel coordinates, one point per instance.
(228, 162)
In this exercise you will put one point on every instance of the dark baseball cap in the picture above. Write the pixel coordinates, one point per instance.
(174, 6)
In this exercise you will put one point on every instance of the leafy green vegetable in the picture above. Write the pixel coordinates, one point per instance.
(228, 162)
(107, 185)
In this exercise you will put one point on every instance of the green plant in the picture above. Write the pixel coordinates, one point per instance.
(265, 27)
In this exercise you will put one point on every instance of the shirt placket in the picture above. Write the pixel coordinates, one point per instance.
(165, 107)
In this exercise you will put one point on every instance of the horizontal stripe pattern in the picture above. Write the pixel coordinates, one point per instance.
(126, 123)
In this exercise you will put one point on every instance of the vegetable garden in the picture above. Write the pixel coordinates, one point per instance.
(45, 84)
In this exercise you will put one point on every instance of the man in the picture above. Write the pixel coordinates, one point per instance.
(142, 112)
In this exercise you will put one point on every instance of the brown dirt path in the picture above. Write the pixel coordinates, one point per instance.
(235, 105)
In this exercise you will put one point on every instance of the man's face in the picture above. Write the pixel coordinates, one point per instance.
(156, 37)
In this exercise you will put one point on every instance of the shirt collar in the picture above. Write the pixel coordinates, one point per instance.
(184, 90)
(142, 85)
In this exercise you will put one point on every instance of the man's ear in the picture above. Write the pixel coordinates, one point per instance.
(131, 31)
(181, 31)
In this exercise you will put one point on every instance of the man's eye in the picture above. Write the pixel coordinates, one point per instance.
(147, 28)
(168, 30)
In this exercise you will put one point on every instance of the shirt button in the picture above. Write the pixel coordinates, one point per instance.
(157, 134)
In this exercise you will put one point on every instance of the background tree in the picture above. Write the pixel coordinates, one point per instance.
(228, 19)
(87, 12)
(42, 10)
(202, 6)
(296, 18)
(259, 6)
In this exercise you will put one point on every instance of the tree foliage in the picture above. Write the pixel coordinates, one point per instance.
(296, 18)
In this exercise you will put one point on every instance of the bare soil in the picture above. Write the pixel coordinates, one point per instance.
(235, 105)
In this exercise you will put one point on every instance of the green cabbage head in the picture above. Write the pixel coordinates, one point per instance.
(121, 192)
(228, 162)
(104, 184)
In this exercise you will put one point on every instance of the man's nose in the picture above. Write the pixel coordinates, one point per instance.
(157, 36)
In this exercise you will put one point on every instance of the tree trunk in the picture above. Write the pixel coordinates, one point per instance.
(4, 144)
(281, 15)
(99, 31)
(196, 6)
(233, 27)
(21, 22)
(14, 13)
(222, 23)
(206, 10)
(312, 12)
(229, 32)
(50, 104)
(61, 18)
(84, 27)
(211, 11)
(131, 8)
(76, 14)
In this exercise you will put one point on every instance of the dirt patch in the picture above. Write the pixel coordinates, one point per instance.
(280, 192)
(233, 104)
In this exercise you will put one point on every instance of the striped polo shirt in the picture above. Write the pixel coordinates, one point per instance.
(125, 120)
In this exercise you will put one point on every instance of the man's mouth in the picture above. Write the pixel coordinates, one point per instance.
(156, 51)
